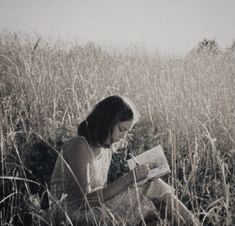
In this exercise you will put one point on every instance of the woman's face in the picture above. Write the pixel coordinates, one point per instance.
(120, 130)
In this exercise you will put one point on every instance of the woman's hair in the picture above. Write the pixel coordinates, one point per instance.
(105, 115)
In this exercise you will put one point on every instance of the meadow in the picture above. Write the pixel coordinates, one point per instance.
(186, 105)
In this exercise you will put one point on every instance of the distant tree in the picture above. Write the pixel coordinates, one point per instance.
(203, 49)
(208, 46)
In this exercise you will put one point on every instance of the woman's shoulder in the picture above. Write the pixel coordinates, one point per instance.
(77, 145)
(78, 140)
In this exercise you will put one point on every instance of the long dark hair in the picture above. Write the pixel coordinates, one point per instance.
(105, 115)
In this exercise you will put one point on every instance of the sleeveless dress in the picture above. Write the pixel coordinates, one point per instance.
(126, 208)
(97, 170)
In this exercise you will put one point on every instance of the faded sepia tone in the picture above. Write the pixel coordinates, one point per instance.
(174, 60)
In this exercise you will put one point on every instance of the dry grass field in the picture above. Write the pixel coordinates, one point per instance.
(186, 104)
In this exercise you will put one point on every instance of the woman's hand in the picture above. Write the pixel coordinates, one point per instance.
(141, 172)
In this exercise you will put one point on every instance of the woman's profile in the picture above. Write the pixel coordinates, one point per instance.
(79, 178)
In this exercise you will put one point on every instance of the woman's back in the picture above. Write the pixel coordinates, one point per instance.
(78, 172)
(65, 179)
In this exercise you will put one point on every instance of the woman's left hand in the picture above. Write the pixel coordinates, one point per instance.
(141, 172)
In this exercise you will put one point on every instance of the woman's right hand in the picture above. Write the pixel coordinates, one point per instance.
(141, 172)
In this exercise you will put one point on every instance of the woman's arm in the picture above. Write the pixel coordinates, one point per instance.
(102, 195)
(79, 155)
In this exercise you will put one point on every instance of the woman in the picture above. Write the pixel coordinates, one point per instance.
(79, 179)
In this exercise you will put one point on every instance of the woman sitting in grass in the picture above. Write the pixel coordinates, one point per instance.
(79, 179)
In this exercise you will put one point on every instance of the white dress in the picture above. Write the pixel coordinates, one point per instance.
(126, 208)
(97, 170)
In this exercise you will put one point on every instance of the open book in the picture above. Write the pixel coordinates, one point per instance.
(156, 161)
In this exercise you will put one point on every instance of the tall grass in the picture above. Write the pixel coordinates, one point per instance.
(186, 104)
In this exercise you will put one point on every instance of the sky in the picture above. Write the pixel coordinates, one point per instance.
(166, 26)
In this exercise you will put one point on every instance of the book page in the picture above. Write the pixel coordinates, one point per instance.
(156, 161)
